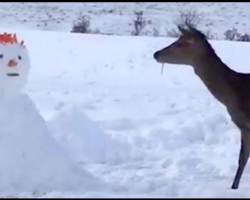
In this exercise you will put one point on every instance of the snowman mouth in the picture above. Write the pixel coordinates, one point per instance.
(12, 74)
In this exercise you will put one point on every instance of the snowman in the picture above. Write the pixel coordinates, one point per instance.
(30, 160)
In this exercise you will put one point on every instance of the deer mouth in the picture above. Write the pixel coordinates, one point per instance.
(13, 74)
(161, 61)
(157, 56)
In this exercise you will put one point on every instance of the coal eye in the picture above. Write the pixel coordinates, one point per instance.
(1, 55)
(19, 57)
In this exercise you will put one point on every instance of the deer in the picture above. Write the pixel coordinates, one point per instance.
(229, 87)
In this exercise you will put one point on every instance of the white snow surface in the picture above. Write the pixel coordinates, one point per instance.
(106, 118)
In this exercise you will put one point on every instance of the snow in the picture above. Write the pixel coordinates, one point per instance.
(30, 159)
(85, 140)
(140, 132)
(107, 120)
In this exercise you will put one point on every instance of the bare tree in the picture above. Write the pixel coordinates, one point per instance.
(82, 25)
(139, 23)
(191, 17)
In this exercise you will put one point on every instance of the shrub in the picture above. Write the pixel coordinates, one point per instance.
(82, 25)
(234, 35)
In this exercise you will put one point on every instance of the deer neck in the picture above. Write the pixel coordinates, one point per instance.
(216, 77)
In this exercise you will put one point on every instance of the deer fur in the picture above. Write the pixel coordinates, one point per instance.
(229, 87)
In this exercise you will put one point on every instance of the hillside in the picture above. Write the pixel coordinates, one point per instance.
(117, 18)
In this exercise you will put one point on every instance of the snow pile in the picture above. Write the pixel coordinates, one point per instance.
(85, 140)
(30, 160)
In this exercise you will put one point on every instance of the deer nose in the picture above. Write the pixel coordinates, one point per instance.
(156, 55)
(12, 63)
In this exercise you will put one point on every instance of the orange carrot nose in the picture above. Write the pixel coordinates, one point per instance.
(12, 63)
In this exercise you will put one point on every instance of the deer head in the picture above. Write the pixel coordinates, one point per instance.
(190, 46)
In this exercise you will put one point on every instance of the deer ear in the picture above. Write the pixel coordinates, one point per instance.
(183, 31)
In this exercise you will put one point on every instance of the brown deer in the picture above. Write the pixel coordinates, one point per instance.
(229, 87)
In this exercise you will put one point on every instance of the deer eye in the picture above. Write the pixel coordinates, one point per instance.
(182, 44)
(1, 55)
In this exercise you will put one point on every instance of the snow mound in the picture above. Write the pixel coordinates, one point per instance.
(85, 140)
(30, 159)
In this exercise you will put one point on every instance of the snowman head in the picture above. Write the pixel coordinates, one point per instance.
(14, 64)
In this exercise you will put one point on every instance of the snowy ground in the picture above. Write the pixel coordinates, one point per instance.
(117, 18)
(107, 105)
(142, 133)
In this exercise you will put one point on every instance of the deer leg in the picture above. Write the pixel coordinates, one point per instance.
(243, 158)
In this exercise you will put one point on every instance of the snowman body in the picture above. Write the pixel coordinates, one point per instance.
(30, 159)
